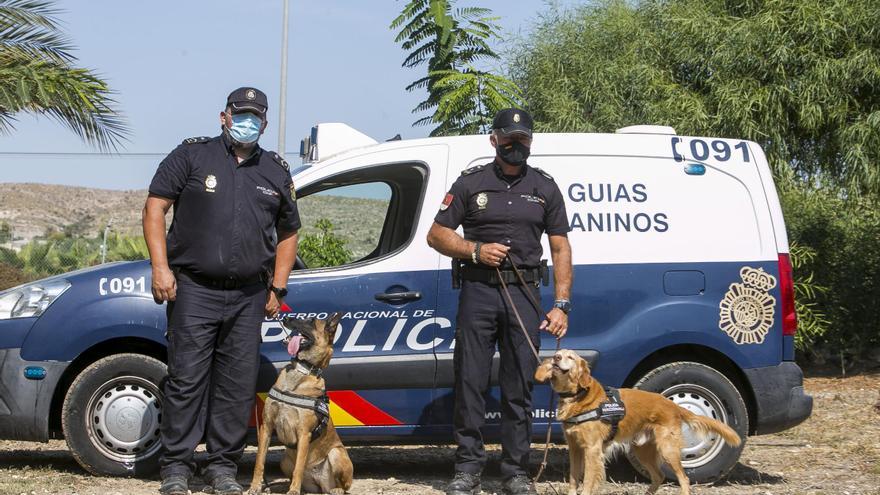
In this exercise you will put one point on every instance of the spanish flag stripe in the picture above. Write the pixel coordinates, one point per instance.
(341, 417)
(360, 408)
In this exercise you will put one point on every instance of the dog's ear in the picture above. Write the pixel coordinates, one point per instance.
(545, 369)
(331, 322)
(584, 377)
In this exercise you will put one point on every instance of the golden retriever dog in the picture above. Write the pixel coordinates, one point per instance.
(651, 427)
(296, 410)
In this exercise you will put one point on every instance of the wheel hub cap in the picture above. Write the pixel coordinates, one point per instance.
(697, 450)
(124, 418)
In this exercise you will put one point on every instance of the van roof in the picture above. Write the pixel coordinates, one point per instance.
(331, 140)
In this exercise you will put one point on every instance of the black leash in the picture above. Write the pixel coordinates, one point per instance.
(537, 306)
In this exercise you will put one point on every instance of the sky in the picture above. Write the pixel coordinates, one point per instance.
(172, 65)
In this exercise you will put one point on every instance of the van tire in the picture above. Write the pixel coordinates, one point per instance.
(702, 390)
(111, 415)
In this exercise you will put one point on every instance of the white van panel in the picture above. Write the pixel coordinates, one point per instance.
(780, 234)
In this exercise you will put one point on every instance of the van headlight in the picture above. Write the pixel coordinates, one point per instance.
(30, 299)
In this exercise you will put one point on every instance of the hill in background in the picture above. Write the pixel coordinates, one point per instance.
(32, 209)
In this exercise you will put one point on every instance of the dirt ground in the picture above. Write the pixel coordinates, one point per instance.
(836, 451)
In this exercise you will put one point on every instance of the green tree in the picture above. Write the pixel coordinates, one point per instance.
(451, 42)
(323, 248)
(800, 77)
(38, 76)
(812, 323)
(5, 233)
(126, 248)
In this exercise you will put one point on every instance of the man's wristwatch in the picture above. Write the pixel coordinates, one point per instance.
(563, 304)
(279, 291)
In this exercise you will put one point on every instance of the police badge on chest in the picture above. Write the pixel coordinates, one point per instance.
(482, 201)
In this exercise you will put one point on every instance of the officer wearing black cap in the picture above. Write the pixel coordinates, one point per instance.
(223, 267)
(504, 207)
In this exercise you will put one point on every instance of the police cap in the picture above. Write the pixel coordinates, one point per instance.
(247, 99)
(513, 121)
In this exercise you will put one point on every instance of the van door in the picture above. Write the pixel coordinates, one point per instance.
(363, 250)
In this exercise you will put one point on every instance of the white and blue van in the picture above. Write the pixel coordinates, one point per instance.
(682, 285)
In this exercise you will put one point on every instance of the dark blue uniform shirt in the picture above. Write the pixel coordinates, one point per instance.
(514, 211)
(226, 214)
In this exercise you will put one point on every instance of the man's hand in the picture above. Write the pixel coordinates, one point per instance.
(273, 305)
(493, 254)
(164, 285)
(556, 323)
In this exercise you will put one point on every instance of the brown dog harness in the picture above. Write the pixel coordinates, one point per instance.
(612, 411)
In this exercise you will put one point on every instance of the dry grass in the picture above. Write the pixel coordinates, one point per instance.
(835, 452)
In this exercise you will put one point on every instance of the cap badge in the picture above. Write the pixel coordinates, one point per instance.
(516, 117)
(251, 94)
(210, 183)
(482, 200)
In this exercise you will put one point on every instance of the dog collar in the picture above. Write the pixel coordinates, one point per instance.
(305, 367)
(580, 394)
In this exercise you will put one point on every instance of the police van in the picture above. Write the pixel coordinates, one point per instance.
(682, 285)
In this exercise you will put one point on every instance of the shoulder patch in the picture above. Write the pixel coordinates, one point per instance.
(194, 140)
(280, 161)
(469, 171)
(545, 174)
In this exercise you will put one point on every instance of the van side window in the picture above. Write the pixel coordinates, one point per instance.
(359, 215)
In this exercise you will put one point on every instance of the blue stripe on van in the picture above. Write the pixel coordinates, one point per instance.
(624, 311)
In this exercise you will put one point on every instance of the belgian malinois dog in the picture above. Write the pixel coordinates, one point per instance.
(297, 411)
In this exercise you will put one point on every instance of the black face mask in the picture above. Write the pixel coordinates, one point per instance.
(514, 153)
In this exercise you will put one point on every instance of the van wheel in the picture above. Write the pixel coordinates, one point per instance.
(111, 415)
(704, 391)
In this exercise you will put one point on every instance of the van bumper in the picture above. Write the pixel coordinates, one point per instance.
(779, 397)
(24, 403)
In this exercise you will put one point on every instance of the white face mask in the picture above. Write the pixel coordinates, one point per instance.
(245, 127)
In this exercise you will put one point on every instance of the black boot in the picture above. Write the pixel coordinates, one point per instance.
(464, 484)
(224, 485)
(174, 485)
(519, 484)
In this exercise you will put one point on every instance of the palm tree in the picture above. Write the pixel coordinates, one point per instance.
(450, 41)
(37, 76)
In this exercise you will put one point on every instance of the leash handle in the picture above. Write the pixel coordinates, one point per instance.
(522, 281)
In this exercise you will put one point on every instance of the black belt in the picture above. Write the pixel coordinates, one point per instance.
(490, 276)
(221, 283)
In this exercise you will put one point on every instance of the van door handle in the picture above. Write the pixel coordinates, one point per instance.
(399, 296)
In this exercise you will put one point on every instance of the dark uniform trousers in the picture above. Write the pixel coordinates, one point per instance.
(213, 359)
(485, 319)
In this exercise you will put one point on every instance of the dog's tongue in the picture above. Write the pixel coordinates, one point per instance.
(293, 345)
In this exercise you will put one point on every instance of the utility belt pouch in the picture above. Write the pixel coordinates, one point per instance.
(545, 273)
(456, 273)
(267, 275)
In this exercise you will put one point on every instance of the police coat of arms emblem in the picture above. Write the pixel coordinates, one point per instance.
(747, 309)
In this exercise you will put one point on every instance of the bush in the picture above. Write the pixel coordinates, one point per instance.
(10, 276)
(323, 248)
(842, 235)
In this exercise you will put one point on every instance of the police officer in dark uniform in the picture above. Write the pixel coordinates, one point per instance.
(505, 207)
(223, 268)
